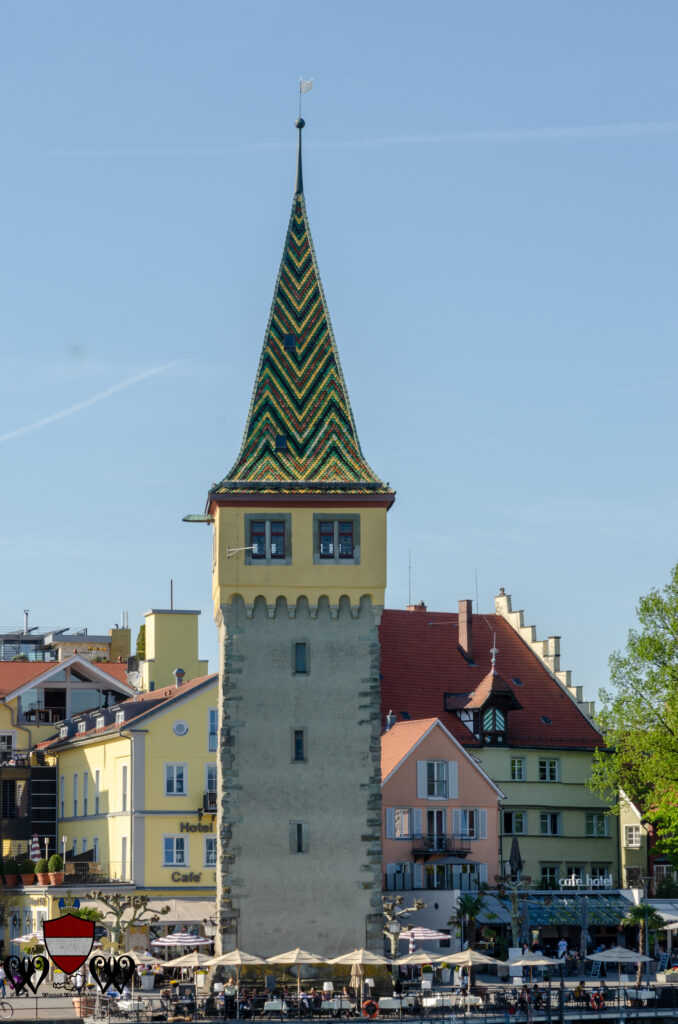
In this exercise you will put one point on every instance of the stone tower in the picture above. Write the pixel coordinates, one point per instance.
(299, 572)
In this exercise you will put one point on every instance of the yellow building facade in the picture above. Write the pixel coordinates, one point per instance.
(137, 797)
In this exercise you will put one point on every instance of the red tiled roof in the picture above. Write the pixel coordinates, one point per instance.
(142, 703)
(399, 740)
(15, 674)
(421, 662)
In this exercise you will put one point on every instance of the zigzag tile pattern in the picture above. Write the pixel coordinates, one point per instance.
(299, 393)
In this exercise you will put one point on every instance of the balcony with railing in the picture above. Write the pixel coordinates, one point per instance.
(424, 847)
(94, 872)
(209, 802)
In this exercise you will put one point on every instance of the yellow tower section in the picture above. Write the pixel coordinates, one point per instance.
(284, 550)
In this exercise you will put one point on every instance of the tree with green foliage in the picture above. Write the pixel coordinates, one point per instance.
(141, 643)
(639, 718)
(642, 916)
(466, 912)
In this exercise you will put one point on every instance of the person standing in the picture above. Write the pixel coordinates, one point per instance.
(3, 991)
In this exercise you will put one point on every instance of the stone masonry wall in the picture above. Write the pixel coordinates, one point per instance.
(270, 897)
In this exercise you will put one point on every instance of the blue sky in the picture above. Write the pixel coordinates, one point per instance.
(491, 190)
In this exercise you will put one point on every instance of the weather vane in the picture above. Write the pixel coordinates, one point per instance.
(304, 87)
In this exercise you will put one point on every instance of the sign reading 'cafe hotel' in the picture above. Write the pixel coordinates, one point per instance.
(577, 882)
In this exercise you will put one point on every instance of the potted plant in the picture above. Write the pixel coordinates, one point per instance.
(42, 871)
(56, 869)
(27, 871)
(11, 871)
(84, 1005)
(147, 979)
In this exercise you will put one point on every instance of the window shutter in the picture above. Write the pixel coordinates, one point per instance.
(482, 825)
(293, 837)
(390, 876)
(421, 780)
(304, 837)
(417, 821)
(452, 780)
(390, 822)
(418, 876)
(482, 873)
(456, 822)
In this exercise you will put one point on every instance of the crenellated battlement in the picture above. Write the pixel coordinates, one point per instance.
(301, 607)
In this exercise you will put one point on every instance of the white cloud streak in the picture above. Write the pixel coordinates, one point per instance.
(483, 136)
(92, 400)
(572, 133)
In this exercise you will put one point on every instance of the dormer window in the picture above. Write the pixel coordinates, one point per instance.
(119, 717)
(493, 721)
(81, 726)
(100, 722)
(63, 732)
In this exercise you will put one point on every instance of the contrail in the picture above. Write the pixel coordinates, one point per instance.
(88, 401)
(481, 136)
(571, 133)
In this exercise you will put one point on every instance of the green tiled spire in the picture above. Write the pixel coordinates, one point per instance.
(300, 434)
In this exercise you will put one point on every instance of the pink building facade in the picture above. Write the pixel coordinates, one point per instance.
(440, 811)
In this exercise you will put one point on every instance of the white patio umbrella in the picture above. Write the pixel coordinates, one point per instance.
(193, 959)
(619, 955)
(30, 939)
(420, 957)
(236, 958)
(359, 958)
(470, 958)
(534, 960)
(295, 958)
(145, 959)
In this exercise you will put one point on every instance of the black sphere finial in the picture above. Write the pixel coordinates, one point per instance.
(299, 123)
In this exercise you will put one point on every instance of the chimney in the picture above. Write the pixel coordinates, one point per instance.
(466, 627)
(391, 720)
(179, 676)
(421, 607)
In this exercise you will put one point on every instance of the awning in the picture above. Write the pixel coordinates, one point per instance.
(545, 908)
(184, 911)
(494, 912)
